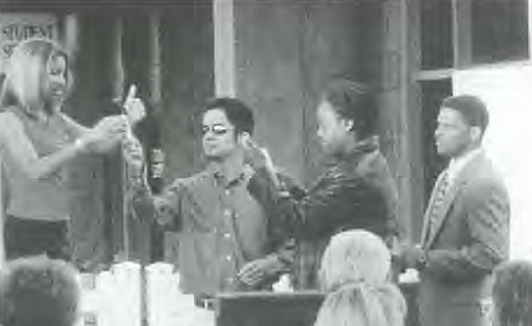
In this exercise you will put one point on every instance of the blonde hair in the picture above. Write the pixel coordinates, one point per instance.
(354, 256)
(355, 273)
(24, 71)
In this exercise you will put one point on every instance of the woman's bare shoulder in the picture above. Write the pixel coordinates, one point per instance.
(8, 119)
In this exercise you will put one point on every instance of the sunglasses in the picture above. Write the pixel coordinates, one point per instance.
(217, 130)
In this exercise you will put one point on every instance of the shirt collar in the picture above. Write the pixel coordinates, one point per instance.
(457, 165)
(221, 180)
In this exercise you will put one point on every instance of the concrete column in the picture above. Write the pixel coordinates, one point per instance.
(529, 29)
(2, 216)
(224, 47)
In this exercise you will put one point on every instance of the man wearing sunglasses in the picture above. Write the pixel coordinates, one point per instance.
(227, 242)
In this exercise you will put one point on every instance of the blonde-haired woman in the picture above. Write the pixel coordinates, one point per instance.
(355, 272)
(37, 142)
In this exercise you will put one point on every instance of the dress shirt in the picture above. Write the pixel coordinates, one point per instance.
(221, 228)
(456, 165)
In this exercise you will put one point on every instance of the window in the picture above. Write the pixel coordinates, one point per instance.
(499, 30)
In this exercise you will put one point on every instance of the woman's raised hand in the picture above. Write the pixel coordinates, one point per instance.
(134, 107)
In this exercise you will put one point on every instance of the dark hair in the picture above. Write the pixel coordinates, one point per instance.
(512, 293)
(354, 101)
(238, 113)
(472, 109)
(38, 291)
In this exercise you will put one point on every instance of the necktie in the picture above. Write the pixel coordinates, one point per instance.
(437, 203)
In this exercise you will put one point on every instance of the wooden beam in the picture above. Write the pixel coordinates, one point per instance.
(224, 48)
(2, 215)
(155, 57)
(462, 39)
(529, 29)
(412, 177)
(434, 74)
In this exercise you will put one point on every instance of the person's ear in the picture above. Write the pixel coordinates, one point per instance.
(244, 138)
(349, 124)
(475, 133)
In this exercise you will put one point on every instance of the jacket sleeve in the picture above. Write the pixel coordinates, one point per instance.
(315, 214)
(282, 244)
(487, 217)
(165, 209)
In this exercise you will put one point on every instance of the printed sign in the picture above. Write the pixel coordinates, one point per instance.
(17, 27)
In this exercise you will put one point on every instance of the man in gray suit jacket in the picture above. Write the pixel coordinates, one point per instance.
(466, 226)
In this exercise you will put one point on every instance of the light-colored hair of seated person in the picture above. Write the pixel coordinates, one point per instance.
(362, 305)
(354, 272)
(354, 256)
(512, 293)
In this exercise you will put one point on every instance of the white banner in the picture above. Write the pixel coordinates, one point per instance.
(17, 27)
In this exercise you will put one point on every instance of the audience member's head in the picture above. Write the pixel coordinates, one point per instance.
(354, 256)
(38, 291)
(512, 294)
(355, 273)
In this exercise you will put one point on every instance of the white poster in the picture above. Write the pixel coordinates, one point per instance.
(16, 27)
(507, 91)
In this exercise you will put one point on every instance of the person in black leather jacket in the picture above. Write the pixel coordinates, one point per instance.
(357, 191)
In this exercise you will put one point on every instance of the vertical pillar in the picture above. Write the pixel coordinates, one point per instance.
(224, 47)
(529, 29)
(155, 57)
(410, 172)
(2, 214)
(462, 43)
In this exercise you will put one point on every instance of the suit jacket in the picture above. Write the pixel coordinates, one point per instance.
(470, 237)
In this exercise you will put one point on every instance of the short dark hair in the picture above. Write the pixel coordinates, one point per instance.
(38, 291)
(512, 293)
(472, 109)
(237, 112)
(354, 101)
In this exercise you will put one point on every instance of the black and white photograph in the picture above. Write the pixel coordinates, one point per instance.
(265, 162)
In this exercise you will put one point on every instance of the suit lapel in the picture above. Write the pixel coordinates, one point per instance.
(442, 212)
(426, 218)
(457, 184)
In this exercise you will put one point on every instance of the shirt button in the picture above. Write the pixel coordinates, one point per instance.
(227, 212)
(227, 192)
(228, 258)
(227, 235)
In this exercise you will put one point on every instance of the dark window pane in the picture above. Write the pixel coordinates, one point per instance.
(436, 34)
(499, 30)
